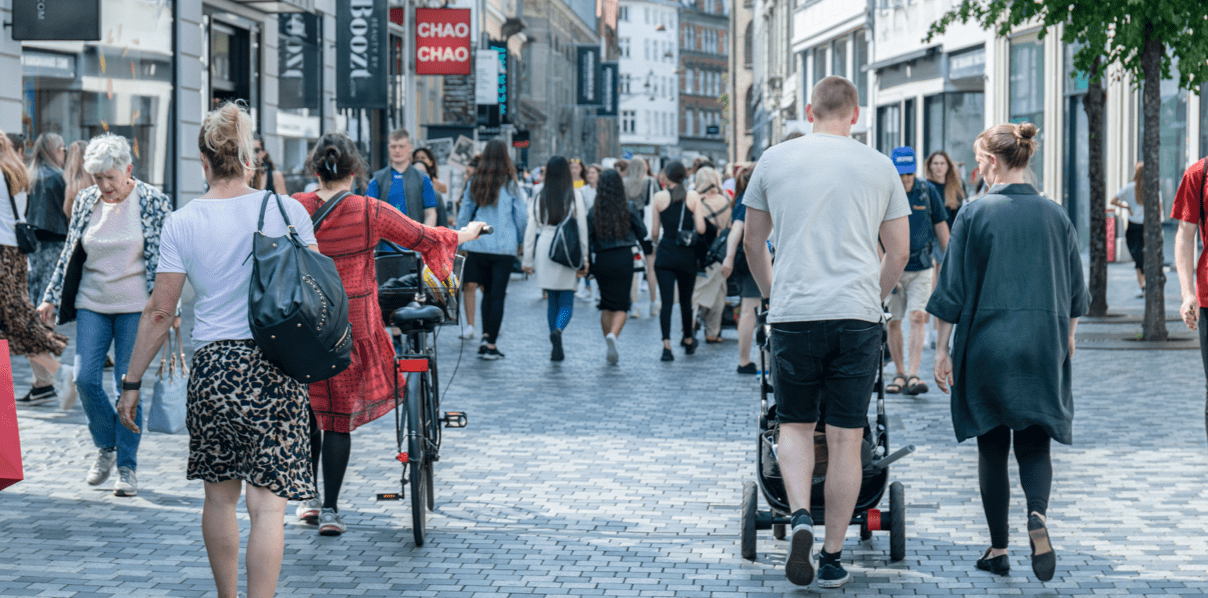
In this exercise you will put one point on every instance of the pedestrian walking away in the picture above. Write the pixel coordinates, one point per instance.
(558, 205)
(494, 197)
(365, 391)
(735, 264)
(641, 188)
(75, 177)
(47, 210)
(102, 281)
(614, 227)
(682, 220)
(248, 421)
(928, 228)
(1193, 276)
(826, 289)
(27, 333)
(1014, 288)
(1129, 198)
(709, 292)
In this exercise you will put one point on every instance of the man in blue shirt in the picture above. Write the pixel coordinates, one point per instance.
(404, 187)
(928, 224)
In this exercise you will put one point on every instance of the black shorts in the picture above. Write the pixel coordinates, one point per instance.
(748, 289)
(828, 364)
(478, 267)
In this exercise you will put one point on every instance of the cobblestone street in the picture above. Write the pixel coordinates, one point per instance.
(584, 479)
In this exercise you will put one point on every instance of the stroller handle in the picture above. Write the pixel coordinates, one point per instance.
(898, 454)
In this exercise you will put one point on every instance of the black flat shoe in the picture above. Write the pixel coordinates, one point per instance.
(1044, 558)
(667, 356)
(690, 348)
(998, 565)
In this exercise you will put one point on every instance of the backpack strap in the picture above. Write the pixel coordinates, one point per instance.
(317, 218)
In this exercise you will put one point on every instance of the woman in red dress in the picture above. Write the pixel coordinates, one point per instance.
(348, 235)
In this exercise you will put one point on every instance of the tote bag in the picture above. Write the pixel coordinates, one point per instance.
(167, 412)
(564, 248)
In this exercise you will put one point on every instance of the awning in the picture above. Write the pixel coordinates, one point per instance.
(903, 58)
(279, 6)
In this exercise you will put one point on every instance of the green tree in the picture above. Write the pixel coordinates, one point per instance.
(1144, 38)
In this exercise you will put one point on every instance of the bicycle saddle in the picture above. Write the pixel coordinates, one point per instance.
(413, 317)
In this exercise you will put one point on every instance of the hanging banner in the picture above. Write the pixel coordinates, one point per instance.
(609, 104)
(298, 61)
(361, 64)
(442, 41)
(57, 20)
(501, 49)
(486, 72)
(589, 76)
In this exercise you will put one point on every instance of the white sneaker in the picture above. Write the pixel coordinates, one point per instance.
(467, 333)
(127, 482)
(611, 339)
(655, 307)
(65, 387)
(99, 472)
(330, 523)
(308, 511)
(635, 312)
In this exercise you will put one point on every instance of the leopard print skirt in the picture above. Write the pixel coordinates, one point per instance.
(19, 323)
(248, 421)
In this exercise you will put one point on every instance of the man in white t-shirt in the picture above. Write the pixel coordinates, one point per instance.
(824, 199)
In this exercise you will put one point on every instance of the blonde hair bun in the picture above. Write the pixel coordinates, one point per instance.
(1027, 131)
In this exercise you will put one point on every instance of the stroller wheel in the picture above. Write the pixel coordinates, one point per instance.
(749, 504)
(897, 525)
(778, 531)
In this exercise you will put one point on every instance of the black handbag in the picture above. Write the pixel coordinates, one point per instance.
(27, 236)
(297, 306)
(685, 238)
(564, 248)
(716, 253)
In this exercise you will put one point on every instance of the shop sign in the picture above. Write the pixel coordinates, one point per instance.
(47, 64)
(57, 20)
(588, 76)
(361, 64)
(298, 77)
(442, 41)
(608, 89)
(967, 64)
(712, 130)
(520, 139)
(501, 86)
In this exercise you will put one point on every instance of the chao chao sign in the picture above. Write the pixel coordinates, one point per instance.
(442, 41)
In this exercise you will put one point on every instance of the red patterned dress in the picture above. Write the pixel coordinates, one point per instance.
(365, 391)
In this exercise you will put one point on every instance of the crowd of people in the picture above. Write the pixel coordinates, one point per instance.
(86, 241)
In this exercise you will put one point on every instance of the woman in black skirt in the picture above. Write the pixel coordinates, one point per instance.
(614, 226)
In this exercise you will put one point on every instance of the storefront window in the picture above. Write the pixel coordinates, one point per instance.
(952, 122)
(908, 123)
(1076, 166)
(121, 85)
(858, 63)
(889, 127)
(1027, 93)
(839, 57)
(819, 66)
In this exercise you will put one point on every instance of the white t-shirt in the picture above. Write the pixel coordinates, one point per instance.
(210, 241)
(114, 280)
(1136, 212)
(8, 223)
(827, 196)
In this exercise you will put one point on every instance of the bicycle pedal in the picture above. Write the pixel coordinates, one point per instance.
(455, 419)
(390, 496)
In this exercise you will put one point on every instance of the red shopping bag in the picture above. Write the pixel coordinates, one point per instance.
(10, 437)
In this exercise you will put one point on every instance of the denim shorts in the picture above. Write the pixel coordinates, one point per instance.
(825, 367)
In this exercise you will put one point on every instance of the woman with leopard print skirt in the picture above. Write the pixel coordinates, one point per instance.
(248, 422)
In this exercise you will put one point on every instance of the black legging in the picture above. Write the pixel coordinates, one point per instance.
(333, 449)
(1203, 330)
(668, 279)
(1035, 475)
(494, 291)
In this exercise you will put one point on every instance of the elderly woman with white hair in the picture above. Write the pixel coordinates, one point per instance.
(102, 281)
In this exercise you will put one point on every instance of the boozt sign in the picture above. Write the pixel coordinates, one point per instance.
(57, 20)
(608, 89)
(298, 59)
(588, 76)
(361, 65)
(442, 41)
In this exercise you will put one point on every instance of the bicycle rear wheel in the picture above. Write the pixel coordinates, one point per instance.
(417, 458)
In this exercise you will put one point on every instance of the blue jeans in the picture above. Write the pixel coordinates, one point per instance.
(94, 334)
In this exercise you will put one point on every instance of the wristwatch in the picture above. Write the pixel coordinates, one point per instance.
(127, 385)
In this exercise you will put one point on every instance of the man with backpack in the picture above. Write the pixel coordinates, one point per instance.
(928, 224)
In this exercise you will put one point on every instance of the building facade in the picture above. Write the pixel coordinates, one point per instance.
(648, 47)
(831, 37)
(774, 100)
(740, 114)
(703, 68)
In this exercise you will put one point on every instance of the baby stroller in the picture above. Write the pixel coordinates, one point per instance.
(875, 457)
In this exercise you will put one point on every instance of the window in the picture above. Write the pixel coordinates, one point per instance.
(646, 45)
(646, 10)
(908, 121)
(1026, 96)
(750, 115)
(839, 57)
(649, 122)
(623, 13)
(747, 44)
(623, 46)
(629, 121)
(623, 83)
(859, 60)
(889, 127)
(689, 36)
(819, 65)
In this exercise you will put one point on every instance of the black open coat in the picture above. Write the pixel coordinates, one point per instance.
(1011, 281)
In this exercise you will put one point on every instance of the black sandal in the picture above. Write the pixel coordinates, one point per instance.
(1044, 558)
(998, 565)
(894, 388)
(919, 387)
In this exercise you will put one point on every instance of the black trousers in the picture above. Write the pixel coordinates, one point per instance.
(492, 272)
(1035, 475)
(1203, 330)
(668, 279)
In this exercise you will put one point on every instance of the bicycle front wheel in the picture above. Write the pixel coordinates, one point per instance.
(417, 456)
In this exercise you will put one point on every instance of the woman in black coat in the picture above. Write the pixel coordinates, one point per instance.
(1012, 283)
(614, 226)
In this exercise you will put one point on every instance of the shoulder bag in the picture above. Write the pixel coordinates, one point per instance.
(689, 237)
(564, 248)
(167, 411)
(27, 236)
(297, 306)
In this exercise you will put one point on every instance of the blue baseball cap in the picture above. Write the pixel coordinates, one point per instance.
(903, 160)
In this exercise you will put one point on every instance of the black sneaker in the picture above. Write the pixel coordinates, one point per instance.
(555, 339)
(491, 355)
(690, 348)
(748, 369)
(39, 395)
(832, 575)
(667, 355)
(799, 566)
(482, 347)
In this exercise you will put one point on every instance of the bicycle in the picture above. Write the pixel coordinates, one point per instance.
(418, 429)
